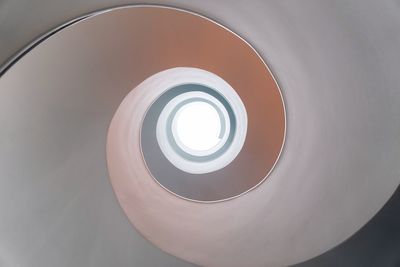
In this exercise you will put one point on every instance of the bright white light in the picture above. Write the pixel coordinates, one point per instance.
(197, 131)
(198, 126)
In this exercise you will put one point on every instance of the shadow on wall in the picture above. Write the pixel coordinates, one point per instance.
(376, 244)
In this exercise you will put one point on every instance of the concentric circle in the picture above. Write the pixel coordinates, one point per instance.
(200, 126)
(220, 98)
(222, 172)
(171, 125)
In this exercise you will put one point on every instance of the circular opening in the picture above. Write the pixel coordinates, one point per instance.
(198, 126)
(194, 133)
(195, 126)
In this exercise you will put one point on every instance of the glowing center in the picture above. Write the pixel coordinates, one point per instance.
(198, 126)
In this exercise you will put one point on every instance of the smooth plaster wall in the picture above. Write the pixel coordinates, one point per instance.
(373, 26)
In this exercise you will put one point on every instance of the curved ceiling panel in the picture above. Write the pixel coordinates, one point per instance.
(339, 165)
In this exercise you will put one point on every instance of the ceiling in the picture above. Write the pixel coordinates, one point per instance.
(351, 41)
